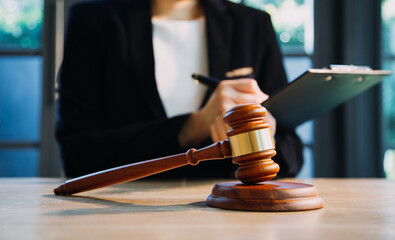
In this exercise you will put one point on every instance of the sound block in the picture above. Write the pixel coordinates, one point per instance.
(265, 197)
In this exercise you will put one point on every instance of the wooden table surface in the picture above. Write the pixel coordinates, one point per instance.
(354, 209)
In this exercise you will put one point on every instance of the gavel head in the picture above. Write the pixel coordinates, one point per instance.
(251, 143)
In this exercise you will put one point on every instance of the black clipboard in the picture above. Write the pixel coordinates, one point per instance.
(319, 90)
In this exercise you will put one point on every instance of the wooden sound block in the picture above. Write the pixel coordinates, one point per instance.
(265, 197)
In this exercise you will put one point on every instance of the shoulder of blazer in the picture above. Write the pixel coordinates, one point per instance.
(252, 17)
(90, 7)
(238, 10)
(248, 15)
(106, 7)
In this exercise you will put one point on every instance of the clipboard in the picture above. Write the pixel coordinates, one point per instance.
(317, 91)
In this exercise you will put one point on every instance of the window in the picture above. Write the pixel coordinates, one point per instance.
(293, 22)
(20, 86)
(388, 87)
(20, 24)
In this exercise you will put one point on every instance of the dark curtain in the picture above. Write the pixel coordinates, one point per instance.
(348, 140)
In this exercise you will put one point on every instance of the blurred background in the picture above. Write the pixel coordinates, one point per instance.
(356, 139)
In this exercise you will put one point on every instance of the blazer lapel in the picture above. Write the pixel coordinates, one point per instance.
(142, 55)
(219, 39)
(219, 35)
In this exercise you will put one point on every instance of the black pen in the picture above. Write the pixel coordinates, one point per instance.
(209, 81)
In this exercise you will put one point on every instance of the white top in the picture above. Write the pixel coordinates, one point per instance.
(180, 49)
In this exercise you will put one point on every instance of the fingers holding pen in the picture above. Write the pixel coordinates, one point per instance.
(228, 94)
(241, 91)
(209, 120)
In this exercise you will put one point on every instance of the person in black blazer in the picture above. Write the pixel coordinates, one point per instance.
(110, 112)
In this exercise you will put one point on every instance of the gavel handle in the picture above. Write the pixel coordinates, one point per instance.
(139, 170)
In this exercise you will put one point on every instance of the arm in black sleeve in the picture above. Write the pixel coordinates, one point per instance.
(87, 142)
(272, 77)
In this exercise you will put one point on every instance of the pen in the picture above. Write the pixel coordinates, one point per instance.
(209, 81)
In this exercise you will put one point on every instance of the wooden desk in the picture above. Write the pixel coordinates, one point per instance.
(354, 209)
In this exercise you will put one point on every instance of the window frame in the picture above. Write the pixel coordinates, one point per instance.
(22, 144)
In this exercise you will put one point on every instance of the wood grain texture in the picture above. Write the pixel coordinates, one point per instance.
(360, 209)
(246, 117)
(130, 172)
(266, 197)
(258, 166)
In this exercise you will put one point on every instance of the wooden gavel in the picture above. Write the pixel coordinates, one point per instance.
(250, 144)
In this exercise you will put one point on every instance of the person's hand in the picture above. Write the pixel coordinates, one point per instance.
(208, 121)
(228, 94)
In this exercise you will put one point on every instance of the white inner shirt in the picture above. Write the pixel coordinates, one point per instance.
(180, 49)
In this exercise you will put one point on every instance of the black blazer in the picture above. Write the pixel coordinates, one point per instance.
(110, 112)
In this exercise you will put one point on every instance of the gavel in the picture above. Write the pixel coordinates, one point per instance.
(250, 144)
